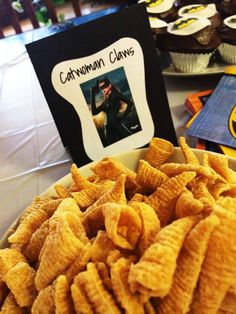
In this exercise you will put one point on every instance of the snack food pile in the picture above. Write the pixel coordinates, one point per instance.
(160, 239)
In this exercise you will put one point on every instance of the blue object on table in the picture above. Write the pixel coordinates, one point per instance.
(217, 120)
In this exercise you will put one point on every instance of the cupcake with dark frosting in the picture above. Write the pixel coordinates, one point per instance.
(162, 9)
(208, 11)
(159, 29)
(227, 33)
(190, 41)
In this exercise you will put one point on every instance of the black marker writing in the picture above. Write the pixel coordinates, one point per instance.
(83, 70)
(115, 55)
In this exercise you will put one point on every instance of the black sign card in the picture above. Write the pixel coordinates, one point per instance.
(103, 83)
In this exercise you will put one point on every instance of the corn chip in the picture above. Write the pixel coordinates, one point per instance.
(188, 268)
(10, 306)
(9, 257)
(63, 300)
(110, 168)
(153, 274)
(217, 273)
(45, 301)
(187, 205)
(20, 280)
(81, 304)
(148, 176)
(189, 155)
(164, 198)
(150, 225)
(119, 277)
(62, 234)
(158, 152)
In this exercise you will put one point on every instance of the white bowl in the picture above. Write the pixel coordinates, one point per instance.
(129, 159)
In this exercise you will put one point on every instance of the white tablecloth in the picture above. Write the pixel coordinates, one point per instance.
(32, 156)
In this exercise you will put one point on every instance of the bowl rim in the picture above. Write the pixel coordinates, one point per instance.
(85, 171)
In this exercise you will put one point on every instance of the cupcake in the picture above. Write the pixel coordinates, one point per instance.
(227, 33)
(190, 41)
(159, 29)
(228, 8)
(208, 11)
(162, 9)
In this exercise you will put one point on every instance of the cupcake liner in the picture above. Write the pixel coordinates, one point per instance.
(228, 53)
(190, 62)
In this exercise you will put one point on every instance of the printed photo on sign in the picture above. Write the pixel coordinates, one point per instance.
(110, 102)
(107, 91)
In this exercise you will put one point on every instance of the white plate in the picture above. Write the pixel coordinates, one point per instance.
(130, 160)
(216, 68)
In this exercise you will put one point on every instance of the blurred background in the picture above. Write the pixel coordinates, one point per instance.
(18, 16)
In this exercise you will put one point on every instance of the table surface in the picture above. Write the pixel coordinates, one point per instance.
(30, 159)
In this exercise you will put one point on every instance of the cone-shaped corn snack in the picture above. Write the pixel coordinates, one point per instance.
(20, 280)
(28, 226)
(153, 274)
(188, 268)
(200, 191)
(79, 180)
(50, 206)
(164, 198)
(85, 197)
(101, 247)
(150, 225)
(123, 224)
(103, 272)
(158, 152)
(61, 191)
(8, 258)
(62, 235)
(105, 186)
(110, 168)
(102, 301)
(63, 300)
(37, 202)
(219, 163)
(68, 205)
(10, 306)
(137, 197)
(81, 303)
(36, 242)
(206, 164)
(173, 169)
(189, 155)
(115, 195)
(218, 188)
(119, 277)
(149, 176)
(187, 205)
(218, 270)
(45, 302)
(79, 264)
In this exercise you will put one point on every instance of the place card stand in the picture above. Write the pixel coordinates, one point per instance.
(103, 84)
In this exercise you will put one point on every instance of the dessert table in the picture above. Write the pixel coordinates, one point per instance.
(32, 156)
